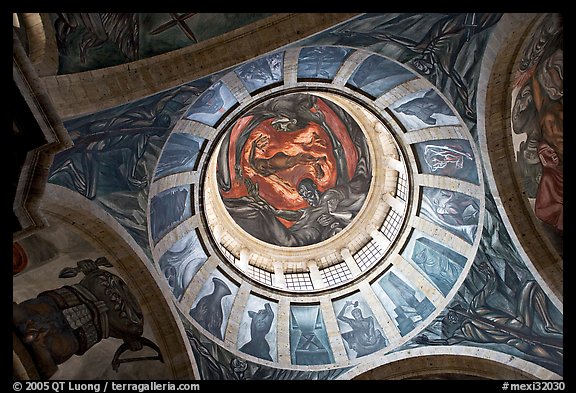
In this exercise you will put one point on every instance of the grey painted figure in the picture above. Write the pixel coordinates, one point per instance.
(259, 327)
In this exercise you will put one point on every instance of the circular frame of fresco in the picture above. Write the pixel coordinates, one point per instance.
(294, 170)
(291, 183)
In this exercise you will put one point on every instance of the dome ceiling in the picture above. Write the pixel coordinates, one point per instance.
(328, 209)
(345, 199)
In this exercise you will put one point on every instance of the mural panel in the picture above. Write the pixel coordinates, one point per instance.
(212, 104)
(257, 335)
(213, 305)
(89, 41)
(424, 109)
(377, 75)
(360, 330)
(115, 152)
(168, 209)
(294, 171)
(441, 265)
(500, 306)
(448, 157)
(180, 263)
(453, 211)
(538, 127)
(309, 342)
(262, 72)
(216, 363)
(180, 154)
(406, 305)
(321, 62)
(444, 48)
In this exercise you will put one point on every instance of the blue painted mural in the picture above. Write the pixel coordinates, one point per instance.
(424, 109)
(321, 62)
(453, 211)
(262, 72)
(212, 104)
(180, 154)
(406, 305)
(89, 41)
(180, 263)
(502, 308)
(257, 335)
(213, 304)
(448, 157)
(377, 75)
(360, 330)
(115, 152)
(444, 48)
(168, 209)
(441, 265)
(216, 363)
(309, 342)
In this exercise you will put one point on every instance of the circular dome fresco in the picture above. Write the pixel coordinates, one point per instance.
(293, 182)
(308, 188)
(294, 170)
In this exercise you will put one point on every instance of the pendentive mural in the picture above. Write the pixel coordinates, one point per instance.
(538, 126)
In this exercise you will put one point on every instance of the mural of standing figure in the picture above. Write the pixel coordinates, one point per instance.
(364, 338)
(483, 323)
(208, 312)
(259, 327)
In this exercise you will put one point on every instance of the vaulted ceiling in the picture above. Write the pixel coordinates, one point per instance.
(294, 196)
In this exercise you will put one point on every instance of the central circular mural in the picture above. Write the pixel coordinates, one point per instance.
(294, 170)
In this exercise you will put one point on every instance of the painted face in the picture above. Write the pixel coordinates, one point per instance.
(309, 192)
(357, 313)
(284, 124)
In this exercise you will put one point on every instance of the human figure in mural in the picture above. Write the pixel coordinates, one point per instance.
(451, 209)
(326, 215)
(364, 338)
(483, 322)
(426, 106)
(121, 29)
(281, 161)
(289, 114)
(259, 328)
(439, 49)
(538, 112)
(208, 311)
(131, 131)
